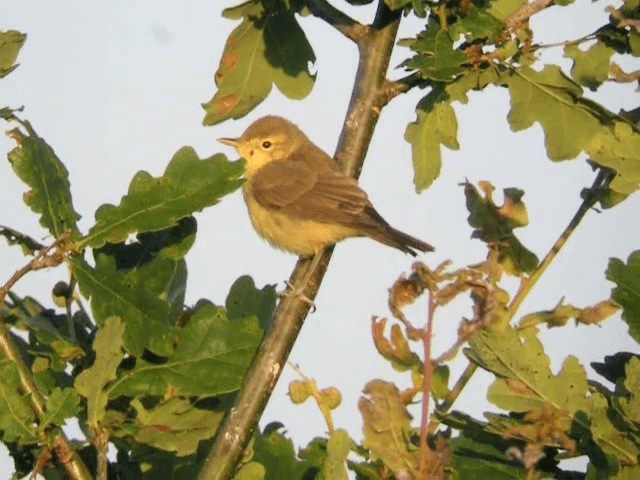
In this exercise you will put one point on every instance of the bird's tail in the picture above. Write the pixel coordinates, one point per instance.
(382, 232)
(400, 240)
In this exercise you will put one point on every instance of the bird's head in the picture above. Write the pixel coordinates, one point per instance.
(267, 140)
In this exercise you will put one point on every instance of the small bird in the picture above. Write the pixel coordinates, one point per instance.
(299, 200)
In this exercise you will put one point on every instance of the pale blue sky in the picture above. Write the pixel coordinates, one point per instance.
(116, 88)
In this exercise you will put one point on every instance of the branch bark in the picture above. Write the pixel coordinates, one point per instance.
(375, 47)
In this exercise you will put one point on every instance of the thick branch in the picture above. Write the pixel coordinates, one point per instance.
(342, 22)
(362, 115)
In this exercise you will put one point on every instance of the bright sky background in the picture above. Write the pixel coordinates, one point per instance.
(116, 88)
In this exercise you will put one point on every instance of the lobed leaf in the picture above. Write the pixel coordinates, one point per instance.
(37, 165)
(91, 382)
(61, 404)
(267, 47)
(627, 291)
(494, 225)
(525, 381)
(11, 42)
(17, 420)
(436, 125)
(387, 425)
(556, 103)
(145, 315)
(175, 425)
(245, 300)
(152, 204)
(590, 67)
(618, 147)
(211, 358)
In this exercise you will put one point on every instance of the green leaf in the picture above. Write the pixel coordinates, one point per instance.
(392, 4)
(591, 67)
(338, 447)
(52, 330)
(62, 403)
(436, 57)
(17, 420)
(145, 315)
(37, 165)
(267, 47)
(477, 24)
(630, 403)
(245, 300)
(211, 358)
(387, 426)
(474, 459)
(501, 9)
(436, 124)
(494, 225)
(91, 382)
(627, 291)
(28, 245)
(618, 147)
(175, 425)
(525, 381)
(172, 243)
(152, 204)
(556, 102)
(251, 471)
(276, 453)
(11, 42)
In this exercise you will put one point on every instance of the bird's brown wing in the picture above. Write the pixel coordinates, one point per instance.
(298, 189)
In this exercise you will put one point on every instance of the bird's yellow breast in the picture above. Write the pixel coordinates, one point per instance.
(296, 235)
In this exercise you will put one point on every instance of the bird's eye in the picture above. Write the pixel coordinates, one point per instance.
(266, 144)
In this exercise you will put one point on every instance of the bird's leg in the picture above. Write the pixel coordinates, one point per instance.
(298, 292)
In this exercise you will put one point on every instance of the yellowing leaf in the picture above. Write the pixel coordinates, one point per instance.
(387, 425)
(436, 124)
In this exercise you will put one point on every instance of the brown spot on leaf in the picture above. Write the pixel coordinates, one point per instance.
(225, 104)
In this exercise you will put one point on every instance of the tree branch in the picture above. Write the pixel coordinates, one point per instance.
(67, 456)
(342, 22)
(375, 49)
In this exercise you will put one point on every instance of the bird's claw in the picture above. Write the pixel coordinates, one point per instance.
(292, 291)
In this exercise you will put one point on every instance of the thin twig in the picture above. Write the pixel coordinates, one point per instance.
(590, 198)
(426, 386)
(393, 88)
(525, 12)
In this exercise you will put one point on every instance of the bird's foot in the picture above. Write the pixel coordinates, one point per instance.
(292, 291)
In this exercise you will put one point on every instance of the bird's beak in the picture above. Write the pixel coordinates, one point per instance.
(232, 142)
